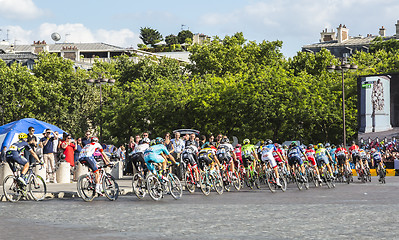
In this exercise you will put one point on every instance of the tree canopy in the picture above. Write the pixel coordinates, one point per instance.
(150, 36)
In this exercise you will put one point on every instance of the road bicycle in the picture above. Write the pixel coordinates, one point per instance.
(252, 177)
(14, 189)
(367, 172)
(298, 177)
(311, 174)
(139, 183)
(158, 185)
(210, 179)
(189, 177)
(230, 178)
(381, 173)
(86, 185)
(271, 179)
(325, 175)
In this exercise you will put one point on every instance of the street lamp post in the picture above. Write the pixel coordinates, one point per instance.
(100, 81)
(343, 68)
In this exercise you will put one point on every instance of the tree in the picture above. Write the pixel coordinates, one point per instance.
(171, 39)
(150, 36)
(184, 35)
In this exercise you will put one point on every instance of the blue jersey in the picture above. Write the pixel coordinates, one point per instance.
(376, 156)
(332, 153)
(19, 147)
(157, 149)
(295, 152)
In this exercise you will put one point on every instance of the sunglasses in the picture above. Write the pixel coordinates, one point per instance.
(32, 130)
(48, 132)
(68, 137)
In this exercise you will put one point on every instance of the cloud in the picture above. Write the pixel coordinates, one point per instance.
(74, 33)
(19, 10)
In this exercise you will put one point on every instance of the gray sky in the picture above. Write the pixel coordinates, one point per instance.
(295, 22)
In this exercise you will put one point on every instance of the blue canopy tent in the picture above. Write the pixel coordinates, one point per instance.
(9, 132)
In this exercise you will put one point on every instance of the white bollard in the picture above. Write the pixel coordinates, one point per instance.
(5, 170)
(80, 170)
(63, 173)
(117, 170)
(40, 170)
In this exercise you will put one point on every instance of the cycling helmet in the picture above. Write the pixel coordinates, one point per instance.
(293, 143)
(333, 146)
(353, 142)
(246, 141)
(225, 140)
(268, 141)
(262, 142)
(153, 142)
(310, 146)
(320, 145)
(327, 144)
(22, 136)
(94, 139)
(158, 140)
(373, 150)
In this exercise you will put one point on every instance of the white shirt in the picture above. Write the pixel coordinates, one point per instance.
(178, 144)
(89, 149)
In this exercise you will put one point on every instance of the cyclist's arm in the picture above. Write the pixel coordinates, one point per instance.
(34, 155)
(105, 158)
(254, 154)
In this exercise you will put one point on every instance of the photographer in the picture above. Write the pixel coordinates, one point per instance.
(46, 143)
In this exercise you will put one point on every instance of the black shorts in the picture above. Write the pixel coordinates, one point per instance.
(247, 160)
(190, 158)
(341, 159)
(355, 158)
(14, 157)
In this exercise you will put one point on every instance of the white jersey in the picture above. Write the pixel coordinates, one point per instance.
(89, 149)
(141, 148)
(225, 147)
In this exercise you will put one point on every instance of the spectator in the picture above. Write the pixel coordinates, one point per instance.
(87, 139)
(202, 140)
(56, 147)
(32, 140)
(120, 153)
(146, 135)
(211, 140)
(168, 144)
(79, 147)
(178, 145)
(186, 137)
(3, 154)
(191, 141)
(69, 147)
(46, 143)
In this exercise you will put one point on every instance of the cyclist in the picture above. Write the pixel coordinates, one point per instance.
(237, 150)
(364, 158)
(13, 155)
(86, 157)
(310, 153)
(341, 155)
(354, 153)
(294, 155)
(376, 156)
(189, 155)
(267, 156)
(322, 155)
(334, 159)
(207, 156)
(138, 154)
(158, 153)
(248, 153)
(226, 152)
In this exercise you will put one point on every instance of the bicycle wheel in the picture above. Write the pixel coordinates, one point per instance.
(205, 183)
(11, 188)
(110, 187)
(139, 185)
(154, 187)
(382, 175)
(190, 182)
(270, 181)
(256, 180)
(326, 176)
(368, 175)
(217, 183)
(86, 188)
(227, 181)
(236, 180)
(37, 188)
(298, 179)
(175, 188)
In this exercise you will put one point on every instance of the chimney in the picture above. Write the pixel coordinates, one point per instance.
(397, 29)
(342, 33)
(382, 31)
(327, 36)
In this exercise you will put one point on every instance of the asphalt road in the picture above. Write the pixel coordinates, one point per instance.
(354, 211)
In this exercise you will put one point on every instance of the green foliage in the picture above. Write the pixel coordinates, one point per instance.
(184, 35)
(150, 36)
(391, 45)
(171, 39)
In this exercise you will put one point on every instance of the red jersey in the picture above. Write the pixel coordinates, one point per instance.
(310, 153)
(276, 156)
(354, 149)
(237, 150)
(341, 151)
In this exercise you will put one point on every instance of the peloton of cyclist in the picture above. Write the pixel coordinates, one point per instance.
(13, 155)
(248, 154)
(86, 157)
(267, 156)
